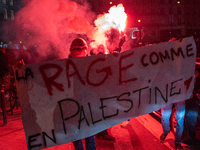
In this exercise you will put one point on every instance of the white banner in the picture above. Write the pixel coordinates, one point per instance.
(70, 99)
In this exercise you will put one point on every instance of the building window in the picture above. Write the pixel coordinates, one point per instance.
(12, 14)
(171, 19)
(11, 2)
(150, 1)
(192, 1)
(187, 12)
(179, 10)
(187, 2)
(153, 32)
(161, 11)
(5, 13)
(153, 11)
(162, 2)
(179, 21)
(194, 23)
(145, 11)
(100, 3)
(194, 11)
(4, 1)
(187, 21)
(170, 11)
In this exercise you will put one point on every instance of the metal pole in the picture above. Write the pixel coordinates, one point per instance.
(3, 104)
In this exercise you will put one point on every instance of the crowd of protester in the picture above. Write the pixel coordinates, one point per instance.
(186, 114)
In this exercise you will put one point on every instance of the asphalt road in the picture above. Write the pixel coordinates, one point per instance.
(142, 134)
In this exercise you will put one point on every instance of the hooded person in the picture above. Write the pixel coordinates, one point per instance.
(78, 48)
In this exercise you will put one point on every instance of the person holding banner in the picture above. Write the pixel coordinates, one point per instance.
(103, 135)
(78, 48)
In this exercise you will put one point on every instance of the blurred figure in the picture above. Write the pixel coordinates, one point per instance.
(104, 134)
(4, 66)
(198, 46)
(78, 48)
(180, 113)
(192, 109)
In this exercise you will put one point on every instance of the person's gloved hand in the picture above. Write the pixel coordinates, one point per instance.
(19, 64)
(116, 51)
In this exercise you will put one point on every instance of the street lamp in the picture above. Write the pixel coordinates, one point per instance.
(139, 27)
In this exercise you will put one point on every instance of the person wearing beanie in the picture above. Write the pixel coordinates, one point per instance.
(78, 48)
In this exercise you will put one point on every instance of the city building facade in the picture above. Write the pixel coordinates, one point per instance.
(160, 20)
(8, 9)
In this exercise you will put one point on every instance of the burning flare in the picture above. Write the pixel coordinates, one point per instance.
(105, 23)
(116, 18)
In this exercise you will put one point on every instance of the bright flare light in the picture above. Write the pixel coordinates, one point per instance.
(116, 18)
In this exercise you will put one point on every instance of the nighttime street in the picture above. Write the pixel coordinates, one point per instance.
(143, 133)
(99, 75)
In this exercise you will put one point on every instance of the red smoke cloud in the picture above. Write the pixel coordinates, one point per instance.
(47, 28)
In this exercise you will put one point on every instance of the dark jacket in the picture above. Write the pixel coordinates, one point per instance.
(4, 66)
